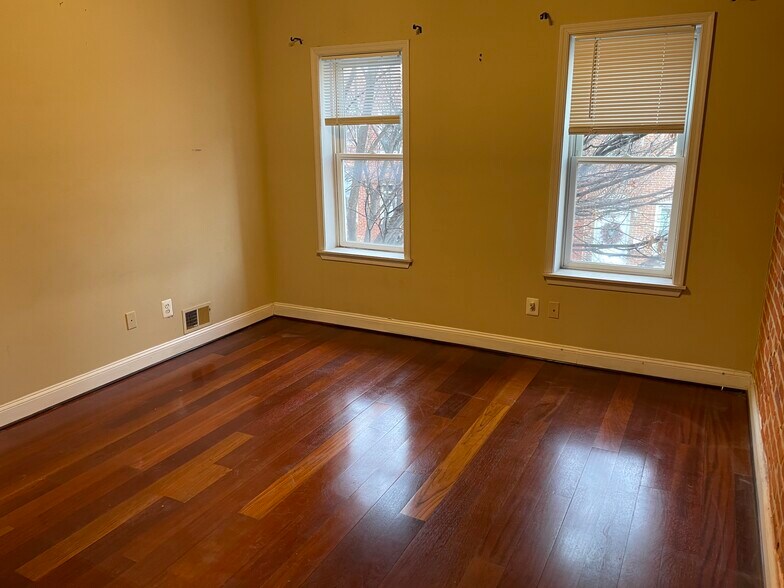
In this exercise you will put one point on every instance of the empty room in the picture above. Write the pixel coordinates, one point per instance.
(407, 294)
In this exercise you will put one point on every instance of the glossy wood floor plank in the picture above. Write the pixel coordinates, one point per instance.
(293, 453)
(285, 485)
(454, 532)
(181, 484)
(427, 499)
(618, 413)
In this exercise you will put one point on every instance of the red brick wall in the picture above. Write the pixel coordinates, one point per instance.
(769, 377)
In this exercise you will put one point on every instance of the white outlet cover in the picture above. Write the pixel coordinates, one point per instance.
(167, 308)
(532, 306)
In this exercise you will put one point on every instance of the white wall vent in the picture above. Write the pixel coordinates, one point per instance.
(196, 317)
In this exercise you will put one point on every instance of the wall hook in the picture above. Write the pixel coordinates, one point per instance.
(418, 29)
(546, 16)
(294, 40)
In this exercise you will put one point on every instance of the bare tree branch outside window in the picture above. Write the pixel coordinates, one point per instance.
(622, 209)
(373, 188)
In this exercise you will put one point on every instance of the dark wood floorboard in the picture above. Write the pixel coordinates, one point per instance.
(293, 453)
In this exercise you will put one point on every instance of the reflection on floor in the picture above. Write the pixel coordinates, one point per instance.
(295, 453)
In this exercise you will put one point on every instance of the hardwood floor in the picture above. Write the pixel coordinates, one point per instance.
(292, 453)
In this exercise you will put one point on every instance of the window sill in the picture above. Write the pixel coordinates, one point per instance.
(366, 256)
(617, 282)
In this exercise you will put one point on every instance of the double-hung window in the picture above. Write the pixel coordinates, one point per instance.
(360, 106)
(627, 139)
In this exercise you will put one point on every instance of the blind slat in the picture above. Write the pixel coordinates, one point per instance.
(363, 120)
(622, 83)
(357, 87)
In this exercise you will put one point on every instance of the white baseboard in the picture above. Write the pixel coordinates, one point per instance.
(58, 393)
(767, 537)
(676, 370)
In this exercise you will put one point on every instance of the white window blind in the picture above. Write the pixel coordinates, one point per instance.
(634, 82)
(362, 89)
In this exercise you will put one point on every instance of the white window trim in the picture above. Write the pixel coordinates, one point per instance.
(329, 246)
(554, 273)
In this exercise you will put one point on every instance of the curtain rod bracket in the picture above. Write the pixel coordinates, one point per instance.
(418, 29)
(546, 16)
(294, 40)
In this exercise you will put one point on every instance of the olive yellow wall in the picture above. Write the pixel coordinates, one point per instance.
(481, 137)
(129, 173)
(164, 148)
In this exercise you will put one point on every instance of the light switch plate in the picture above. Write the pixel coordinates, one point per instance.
(554, 309)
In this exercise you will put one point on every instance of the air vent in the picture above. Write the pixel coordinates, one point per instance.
(196, 317)
(191, 319)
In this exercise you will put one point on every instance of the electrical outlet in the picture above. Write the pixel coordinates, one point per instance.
(130, 320)
(167, 308)
(532, 306)
(554, 309)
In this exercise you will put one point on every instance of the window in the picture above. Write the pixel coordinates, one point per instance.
(360, 106)
(628, 130)
(619, 186)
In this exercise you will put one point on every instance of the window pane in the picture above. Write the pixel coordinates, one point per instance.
(639, 145)
(372, 138)
(373, 201)
(622, 214)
